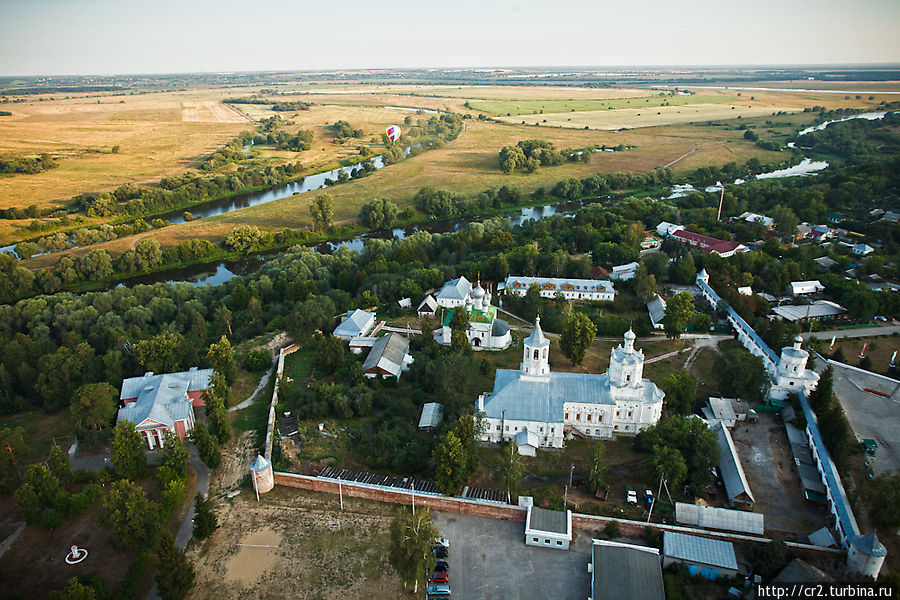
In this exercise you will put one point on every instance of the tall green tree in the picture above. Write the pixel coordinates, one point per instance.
(379, 213)
(94, 406)
(450, 459)
(740, 374)
(510, 467)
(132, 517)
(883, 497)
(127, 448)
(459, 329)
(669, 463)
(174, 572)
(205, 519)
(221, 356)
(412, 535)
(678, 313)
(75, 590)
(173, 455)
(577, 336)
(42, 498)
(58, 461)
(330, 354)
(322, 211)
(681, 390)
(598, 467)
(162, 353)
(217, 418)
(785, 221)
(207, 445)
(12, 450)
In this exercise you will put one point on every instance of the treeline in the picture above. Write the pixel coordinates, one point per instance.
(856, 141)
(288, 106)
(276, 105)
(16, 165)
(528, 155)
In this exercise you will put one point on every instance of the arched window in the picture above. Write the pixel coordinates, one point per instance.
(536, 354)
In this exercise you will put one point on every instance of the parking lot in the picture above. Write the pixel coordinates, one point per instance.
(769, 465)
(490, 561)
(870, 415)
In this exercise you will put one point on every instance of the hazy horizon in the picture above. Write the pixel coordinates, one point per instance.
(107, 37)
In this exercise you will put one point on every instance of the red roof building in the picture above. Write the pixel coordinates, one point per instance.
(709, 245)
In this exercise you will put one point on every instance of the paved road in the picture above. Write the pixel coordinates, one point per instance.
(853, 333)
(262, 385)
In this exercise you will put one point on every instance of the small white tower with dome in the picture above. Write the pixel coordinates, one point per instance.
(536, 354)
(791, 375)
(626, 365)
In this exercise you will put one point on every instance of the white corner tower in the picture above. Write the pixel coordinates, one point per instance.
(866, 555)
(791, 375)
(536, 354)
(261, 474)
(626, 365)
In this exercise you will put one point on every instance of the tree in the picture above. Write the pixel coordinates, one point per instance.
(680, 388)
(697, 443)
(634, 235)
(173, 456)
(94, 406)
(428, 341)
(669, 463)
(684, 271)
(216, 399)
(768, 559)
(330, 354)
(12, 449)
(510, 467)
(596, 476)
(322, 211)
(645, 284)
(821, 397)
(412, 535)
(75, 590)
(59, 464)
(678, 312)
(174, 572)
(127, 448)
(132, 517)
(577, 336)
(459, 328)
(450, 472)
(162, 353)
(740, 374)
(205, 520)
(243, 238)
(785, 221)
(883, 497)
(207, 445)
(379, 213)
(42, 498)
(221, 356)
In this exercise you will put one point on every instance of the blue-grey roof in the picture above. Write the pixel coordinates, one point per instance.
(656, 306)
(699, 550)
(626, 572)
(711, 517)
(542, 400)
(527, 437)
(195, 380)
(554, 521)
(869, 544)
(560, 284)
(499, 328)
(730, 467)
(537, 339)
(354, 323)
(260, 464)
(734, 315)
(388, 353)
(164, 401)
(432, 413)
(457, 289)
(839, 497)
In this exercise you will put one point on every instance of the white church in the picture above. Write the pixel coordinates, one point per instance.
(486, 331)
(549, 406)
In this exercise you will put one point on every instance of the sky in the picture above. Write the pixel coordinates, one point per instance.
(70, 37)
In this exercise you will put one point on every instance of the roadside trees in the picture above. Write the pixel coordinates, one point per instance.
(205, 520)
(221, 358)
(132, 516)
(93, 406)
(174, 573)
(678, 312)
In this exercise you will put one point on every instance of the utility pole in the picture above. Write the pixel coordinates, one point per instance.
(721, 201)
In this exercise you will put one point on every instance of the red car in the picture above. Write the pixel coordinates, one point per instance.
(440, 577)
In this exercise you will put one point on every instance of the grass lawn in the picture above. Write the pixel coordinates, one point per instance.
(40, 431)
(879, 349)
(534, 107)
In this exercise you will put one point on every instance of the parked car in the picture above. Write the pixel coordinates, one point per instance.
(440, 551)
(631, 497)
(438, 590)
(441, 541)
(648, 497)
(440, 577)
(442, 566)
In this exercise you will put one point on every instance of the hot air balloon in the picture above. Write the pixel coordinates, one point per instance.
(393, 133)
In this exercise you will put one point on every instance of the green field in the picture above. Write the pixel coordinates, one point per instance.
(532, 107)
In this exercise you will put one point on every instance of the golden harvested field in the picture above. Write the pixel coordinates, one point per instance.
(469, 165)
(157, 134)
(644, 117)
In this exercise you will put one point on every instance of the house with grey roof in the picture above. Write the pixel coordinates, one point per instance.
(454, 293)
(553, 404)
(357, 323)
(731, 470)
(622, 571)
(656, 306)
(427, 307)
(160, 403)
(702, 556)
(570, 288)
(548, 528)
(527, 442)
(814, 311)
(389, 357)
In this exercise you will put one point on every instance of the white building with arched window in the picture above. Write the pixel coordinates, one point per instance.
(553, 404)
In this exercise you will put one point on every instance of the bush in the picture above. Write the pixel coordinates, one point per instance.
(612, 530)
(257, 360)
